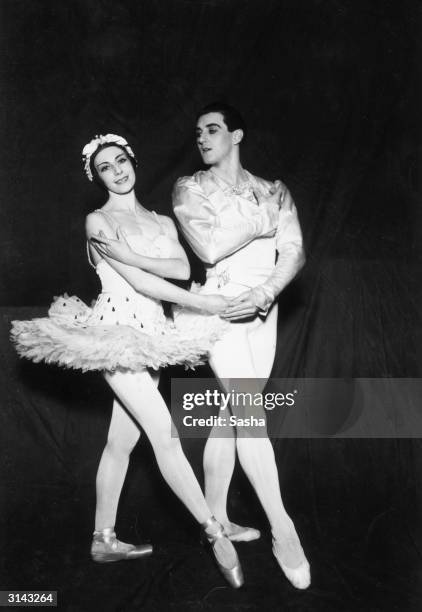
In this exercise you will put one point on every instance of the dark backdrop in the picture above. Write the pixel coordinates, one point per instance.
(330, 91)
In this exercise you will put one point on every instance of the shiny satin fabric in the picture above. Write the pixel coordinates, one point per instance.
(236, 238)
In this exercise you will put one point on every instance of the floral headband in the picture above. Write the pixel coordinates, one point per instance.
(90, 148)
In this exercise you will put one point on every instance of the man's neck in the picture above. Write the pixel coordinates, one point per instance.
(230, 170)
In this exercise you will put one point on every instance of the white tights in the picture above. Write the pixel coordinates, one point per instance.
(246, 351)
(138, 393)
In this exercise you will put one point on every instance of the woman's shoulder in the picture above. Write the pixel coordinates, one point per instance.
(167, 224)
(99, 218)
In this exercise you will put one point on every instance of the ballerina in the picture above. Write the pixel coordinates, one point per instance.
(236, 223)
(124, 335)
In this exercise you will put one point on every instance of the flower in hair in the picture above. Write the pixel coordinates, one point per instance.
(90, 148)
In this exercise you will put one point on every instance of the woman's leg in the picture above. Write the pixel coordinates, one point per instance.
(139, 395)
(122, 437)
(123, 434)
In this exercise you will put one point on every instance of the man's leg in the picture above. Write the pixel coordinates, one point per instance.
(220, 449)
(226, 358)
(262, 341)
(229, 358)
(232, 358)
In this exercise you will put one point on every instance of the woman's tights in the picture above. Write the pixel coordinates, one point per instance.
(139, 402)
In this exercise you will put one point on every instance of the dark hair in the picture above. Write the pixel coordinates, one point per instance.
(232, 118)
(95, 176)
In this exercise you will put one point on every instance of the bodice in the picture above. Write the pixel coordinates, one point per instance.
(112, 281)
(118, 302)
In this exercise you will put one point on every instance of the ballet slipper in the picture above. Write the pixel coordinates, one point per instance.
(238, 533)
(106, 548)
(220, 544)
(299, 576)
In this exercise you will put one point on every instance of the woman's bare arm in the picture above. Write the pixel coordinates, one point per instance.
(176, 266)
(147, 283)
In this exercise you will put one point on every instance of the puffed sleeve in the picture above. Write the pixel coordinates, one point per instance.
(214, 234)
(291, 256)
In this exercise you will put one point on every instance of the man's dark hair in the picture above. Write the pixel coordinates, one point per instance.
(232, 118)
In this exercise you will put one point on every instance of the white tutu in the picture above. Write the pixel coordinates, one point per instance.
(115, 334)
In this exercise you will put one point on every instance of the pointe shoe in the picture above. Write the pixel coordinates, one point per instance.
(237, 533)
(300, 576)
(106, 548)
(219, 543)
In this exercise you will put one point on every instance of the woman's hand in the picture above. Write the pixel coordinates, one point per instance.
(116, 249)
(214, 304)
(241, 307)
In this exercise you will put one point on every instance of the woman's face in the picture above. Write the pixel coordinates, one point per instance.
(215, 142)
(115, 169)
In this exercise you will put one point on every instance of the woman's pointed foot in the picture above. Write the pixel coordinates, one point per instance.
(224, 552)
(291, 558)
(238, 533)
(106, 548)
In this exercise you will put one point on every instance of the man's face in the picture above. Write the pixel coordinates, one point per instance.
(215, 142)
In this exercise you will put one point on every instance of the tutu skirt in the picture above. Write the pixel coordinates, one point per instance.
(76, 336)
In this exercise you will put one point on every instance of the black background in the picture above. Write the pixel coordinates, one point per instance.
(330, 91)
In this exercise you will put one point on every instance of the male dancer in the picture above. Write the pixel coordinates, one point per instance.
(236, 222)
